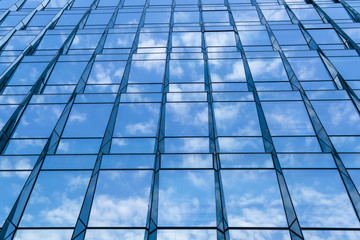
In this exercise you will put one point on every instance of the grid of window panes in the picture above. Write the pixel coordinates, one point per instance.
(179, 119)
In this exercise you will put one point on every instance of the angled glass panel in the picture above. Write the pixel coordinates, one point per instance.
(128, 18)
(338, 117)
(27, 73)
(118, 203)
(187, 198)
(306, 14)
(186, 119)
(87, 120)
(82, 41)
(254, 38)
(56, 199)
(227, 70)
(186, 39)
(186, 234)
(275, 14)
(52, 41)
(345, 66)
(147, 72)
(119, 40)
(43, 234)
(106, 234)
(325, 36)
(267, 69)
(287, 118)
(11, 182)
(98, 19)
(153, 39)
(24, 146)
(107, 72)
(187, 145)
(296, 144)
(260, 234)
(18, 42)
(309, 69)
(133, 145)
(215, 16)
(322, 234)
(5, 113)
(247, 15)
(320, 198)
(66, 73)
(253, 198)
(186, 17)
(38, 121)
(137, 120)
(220, 39)
(346, 144)
(78, 146)
(155, 17)
(241, 144)
(186, 71)
(236, 119)
(289, 37)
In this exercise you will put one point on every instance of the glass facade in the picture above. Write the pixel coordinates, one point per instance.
(179, 119)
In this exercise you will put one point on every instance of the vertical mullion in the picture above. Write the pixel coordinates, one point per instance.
(84, 215)
(153, 211)
(291, 217)
(222, 226)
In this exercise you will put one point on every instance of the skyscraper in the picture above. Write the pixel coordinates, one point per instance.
(179, 119)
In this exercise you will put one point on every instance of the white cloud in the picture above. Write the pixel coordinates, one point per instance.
(141, 128)
(43, 234)
(110, 234)
(111, 211)
(64, 214)
(77, 117)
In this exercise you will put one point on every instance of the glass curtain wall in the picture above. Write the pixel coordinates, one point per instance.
(179, 119)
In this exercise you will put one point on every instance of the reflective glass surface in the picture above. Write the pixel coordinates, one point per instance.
(179, 119)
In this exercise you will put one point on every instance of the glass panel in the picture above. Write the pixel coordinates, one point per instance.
(287, 118)
(253, 198)
(339, 118)
(186, 198)
(267, 69)
(320, 198)
(127, 207)
(236, 119)
(137, 120)
(87, 120)
(186, 119)
(56, 199)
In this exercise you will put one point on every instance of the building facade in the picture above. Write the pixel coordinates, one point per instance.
(180, 119)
